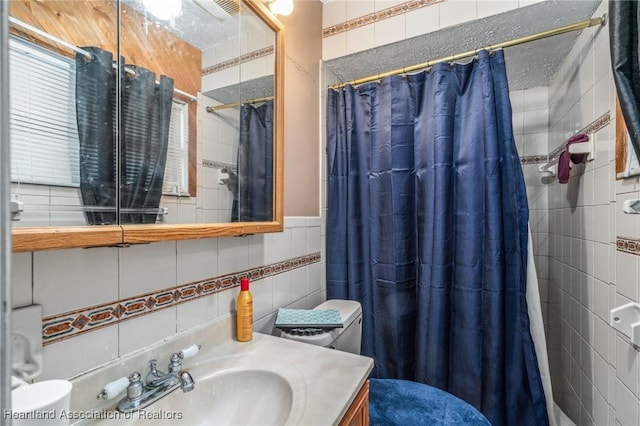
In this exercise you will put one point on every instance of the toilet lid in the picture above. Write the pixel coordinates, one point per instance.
(304, 331)
(322, 338)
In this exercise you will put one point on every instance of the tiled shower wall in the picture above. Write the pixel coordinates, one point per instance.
(531, 133)
(223, 66)
(594, 370)
(68, 280)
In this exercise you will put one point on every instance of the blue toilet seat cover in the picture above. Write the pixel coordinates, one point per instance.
(401, 402)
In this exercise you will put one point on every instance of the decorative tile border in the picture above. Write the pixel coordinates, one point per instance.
(533, 159)
(217, 165)
(628, 245)
(71, 324)
(598, 124)
(239, 60)
(592, 127)
(380, 15)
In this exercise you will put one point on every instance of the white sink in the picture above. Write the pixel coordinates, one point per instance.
(235, 390)
(267, 381)
(245, 390)
(246, 397)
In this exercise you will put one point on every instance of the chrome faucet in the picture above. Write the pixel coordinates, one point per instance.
(155, 377)
(156, 385)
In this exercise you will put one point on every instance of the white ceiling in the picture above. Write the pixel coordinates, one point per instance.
(528, 65)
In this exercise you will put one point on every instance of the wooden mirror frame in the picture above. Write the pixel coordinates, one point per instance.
(45, 238)
(621, 146)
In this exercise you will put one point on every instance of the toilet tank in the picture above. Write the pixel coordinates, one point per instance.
(348, 338)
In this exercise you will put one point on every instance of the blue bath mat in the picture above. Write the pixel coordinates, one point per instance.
(400, 402)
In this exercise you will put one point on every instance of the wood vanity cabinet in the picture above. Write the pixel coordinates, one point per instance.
(358, 412)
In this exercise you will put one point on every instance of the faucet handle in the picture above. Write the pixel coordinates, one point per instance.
(175, 361)
(135, 387)
(112, 389)
(190, 351)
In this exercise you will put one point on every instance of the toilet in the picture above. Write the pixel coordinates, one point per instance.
(391, 401)
(347, 338)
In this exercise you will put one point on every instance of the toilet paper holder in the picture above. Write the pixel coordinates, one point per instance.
(631, 206)
(26, 342)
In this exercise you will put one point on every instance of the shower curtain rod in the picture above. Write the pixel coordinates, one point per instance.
(544, 34)
(237, 104)
(84, 52)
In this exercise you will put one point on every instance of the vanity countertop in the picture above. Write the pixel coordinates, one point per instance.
(324, 381)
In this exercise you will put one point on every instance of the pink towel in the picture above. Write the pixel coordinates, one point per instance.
(564, 165)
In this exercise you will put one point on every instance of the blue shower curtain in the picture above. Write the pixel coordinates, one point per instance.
(427, 229)
(253, 197)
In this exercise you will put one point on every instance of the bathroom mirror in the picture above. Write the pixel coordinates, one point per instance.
(178, 136)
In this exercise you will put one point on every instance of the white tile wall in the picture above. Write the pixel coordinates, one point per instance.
(142, 269)
(196, 260)
(594, 370)
(626, 405)
(282, 245)
(422, 21)
(21, 272)
(63, 280)
(355, 9)
(233, 254)
(282, 290)
(262, 292)
(299, 284)
(260, 247)
(196, 312)
(457, 12)
(417, 22)
(235, 47)
(217, 138)
(37, 197)
(531, 106)
(85, 352)
(390, 30)
(334, 46)
(360, 39)
(488, 7)
(145, 330)
(88, 276)
(334, 13)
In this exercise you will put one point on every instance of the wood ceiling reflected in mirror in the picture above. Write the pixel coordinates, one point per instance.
(194, 149)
